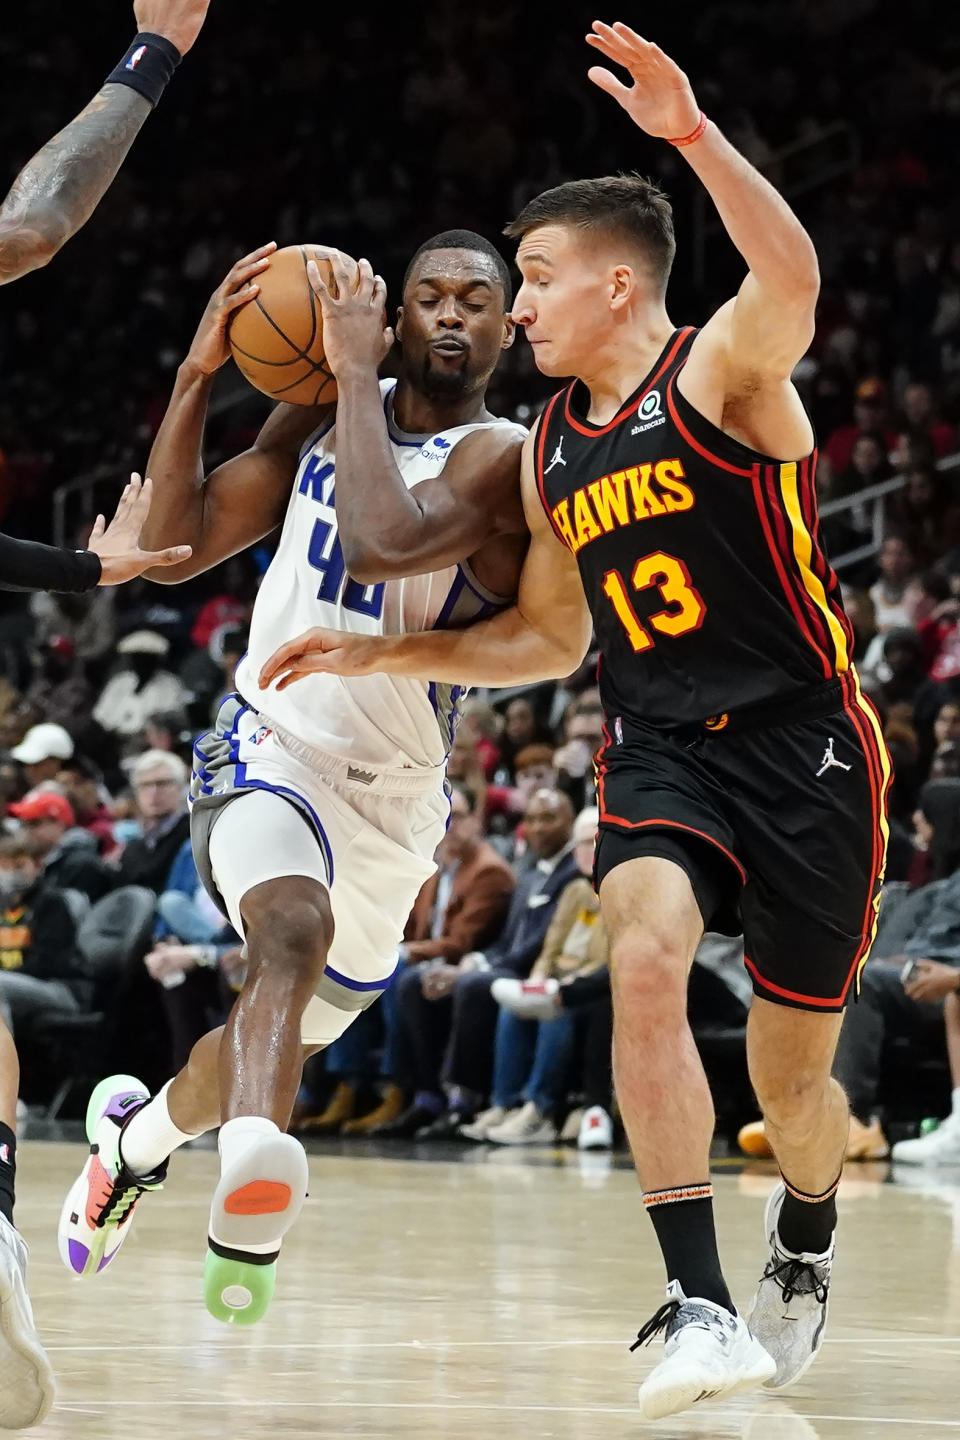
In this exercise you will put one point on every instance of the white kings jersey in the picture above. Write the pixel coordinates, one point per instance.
(379, 722)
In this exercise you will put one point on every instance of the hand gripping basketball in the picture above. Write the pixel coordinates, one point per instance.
(355, 332)
(211, 348)
(660, 100)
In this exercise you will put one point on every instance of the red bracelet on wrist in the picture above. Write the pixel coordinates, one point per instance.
(694, 134)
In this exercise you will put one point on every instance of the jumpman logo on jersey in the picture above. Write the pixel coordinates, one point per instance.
(557, 457)
(829, 759)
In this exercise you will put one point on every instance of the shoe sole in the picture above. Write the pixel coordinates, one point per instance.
(684, 1393)
(76, 1201)
(256, 1202)
(27, 1392)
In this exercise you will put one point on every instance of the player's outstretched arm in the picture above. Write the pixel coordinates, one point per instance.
(771, 324)
(112, 555)
(244, 499)
(58, 190)
(544, 636)
(386, 530)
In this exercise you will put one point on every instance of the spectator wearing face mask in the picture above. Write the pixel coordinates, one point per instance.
(40, 967)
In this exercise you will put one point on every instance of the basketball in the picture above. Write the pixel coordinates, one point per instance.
(277, 340)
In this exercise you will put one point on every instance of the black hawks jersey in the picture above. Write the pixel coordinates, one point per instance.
(700, 558)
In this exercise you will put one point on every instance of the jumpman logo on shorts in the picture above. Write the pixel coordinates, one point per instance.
(829, 759)
(557, 457)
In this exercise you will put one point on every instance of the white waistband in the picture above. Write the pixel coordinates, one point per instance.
(421, 781)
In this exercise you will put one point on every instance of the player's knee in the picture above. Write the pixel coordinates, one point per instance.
(289, 924)
(791, 1099)
(649, 975)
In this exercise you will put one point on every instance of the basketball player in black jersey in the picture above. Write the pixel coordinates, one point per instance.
(670, 497)
(54, 195)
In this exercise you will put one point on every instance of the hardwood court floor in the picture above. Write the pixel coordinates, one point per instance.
(490, 1296)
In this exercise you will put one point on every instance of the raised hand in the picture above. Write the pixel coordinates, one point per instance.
(321, 652)
(660, 99)
(179, 21)
(118, 544)
(210, 347)
(353, 302)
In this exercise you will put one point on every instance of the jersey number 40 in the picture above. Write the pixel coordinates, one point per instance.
(327, 559)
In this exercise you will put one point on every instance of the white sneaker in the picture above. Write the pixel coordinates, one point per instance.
(789, 1311)
(487, 1120)
(940, 1147)
(708, 1355)
(530, 999)
(596, 1130)
(524, 1127)
(571, 1127)
(26, 1379)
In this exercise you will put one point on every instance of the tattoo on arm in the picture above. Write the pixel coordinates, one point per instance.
(58, 190)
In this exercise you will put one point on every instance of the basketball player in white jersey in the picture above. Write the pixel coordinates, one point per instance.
(316, 813)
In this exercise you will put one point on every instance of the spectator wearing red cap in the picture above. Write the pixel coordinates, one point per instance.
(870, 417)
(67, 853)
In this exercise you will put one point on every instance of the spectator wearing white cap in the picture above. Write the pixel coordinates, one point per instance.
(42, 752)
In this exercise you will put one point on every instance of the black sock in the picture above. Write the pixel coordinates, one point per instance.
(807, 1222)
(683, 1219)
(8, 1170)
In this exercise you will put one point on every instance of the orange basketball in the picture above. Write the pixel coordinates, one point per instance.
(277, 340)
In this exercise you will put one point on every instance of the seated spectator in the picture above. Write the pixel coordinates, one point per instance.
(869, 418)
(40, 966)
(449, 1012)
(898, 569)
(82, 783)
(68, 854)
(520, 729)
(902, 671)
(916, 965)
(170, 730)
(41, 752)
(926, 516)
(940, 1146)
(922, 425)
(60, 691)
(459, 909)
(583, 736)
(141, 687)
(159, 782)
(863, 618)
(532, 1055)
(200, 980)
(483, 725)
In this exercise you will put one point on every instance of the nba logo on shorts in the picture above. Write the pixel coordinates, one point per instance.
(5, 1154)
(136, 57)
(258, 736)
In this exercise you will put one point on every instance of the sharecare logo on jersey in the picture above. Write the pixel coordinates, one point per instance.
(649, 412)
(639, 493)
(136, 57)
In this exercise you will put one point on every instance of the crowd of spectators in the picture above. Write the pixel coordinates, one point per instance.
(498, 1025)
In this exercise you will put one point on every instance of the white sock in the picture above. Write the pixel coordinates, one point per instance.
(956, 1102)
(236, 1138)
(151, 1137)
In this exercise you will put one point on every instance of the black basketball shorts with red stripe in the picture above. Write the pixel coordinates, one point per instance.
(778, 816)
